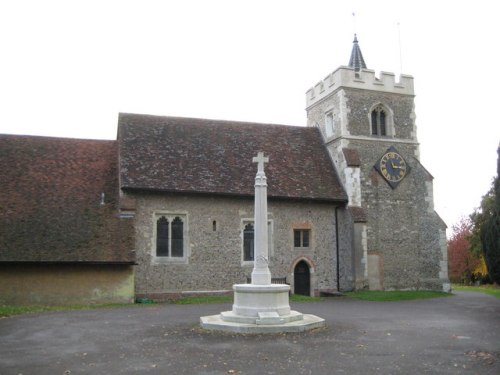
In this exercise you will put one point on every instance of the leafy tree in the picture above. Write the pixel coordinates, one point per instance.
(462, 263)
(479, 218)
(490, 232)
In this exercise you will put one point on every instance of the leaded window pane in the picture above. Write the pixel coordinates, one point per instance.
(296, 238)
(177, 237)
(382, 123)
(305, 238)
(248, 243)
(374, 122)
(162, 237)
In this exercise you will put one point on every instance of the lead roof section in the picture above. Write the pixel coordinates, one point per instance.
(50, 202)
(174, 154)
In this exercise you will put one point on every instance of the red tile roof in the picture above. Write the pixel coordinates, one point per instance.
(215, 157)
(50, 201)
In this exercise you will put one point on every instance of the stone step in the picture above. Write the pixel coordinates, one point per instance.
(269, 318)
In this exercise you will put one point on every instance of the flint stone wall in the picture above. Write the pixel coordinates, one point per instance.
(214, 260)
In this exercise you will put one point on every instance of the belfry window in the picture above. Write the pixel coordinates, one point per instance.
(170, 236)
(379, 121)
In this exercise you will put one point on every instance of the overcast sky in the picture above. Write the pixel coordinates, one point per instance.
(67, 68)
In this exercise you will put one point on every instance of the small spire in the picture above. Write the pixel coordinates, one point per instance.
(356, 61)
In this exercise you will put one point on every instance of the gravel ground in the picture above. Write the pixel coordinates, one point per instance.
(454, 335)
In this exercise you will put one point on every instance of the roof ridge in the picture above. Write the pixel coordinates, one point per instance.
(206, 120)
(53, 138)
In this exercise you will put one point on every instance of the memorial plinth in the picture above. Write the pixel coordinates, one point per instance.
(261, 307)
(250, 299)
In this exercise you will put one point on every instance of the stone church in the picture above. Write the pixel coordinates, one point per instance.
(167, 208)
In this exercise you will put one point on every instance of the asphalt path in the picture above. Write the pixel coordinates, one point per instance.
(453, 335)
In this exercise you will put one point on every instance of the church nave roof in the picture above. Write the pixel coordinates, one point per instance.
(177, 154)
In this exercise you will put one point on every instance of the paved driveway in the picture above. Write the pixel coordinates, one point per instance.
(455, 335)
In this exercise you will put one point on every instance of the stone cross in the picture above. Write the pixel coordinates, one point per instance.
(261, 274)
(260, 159)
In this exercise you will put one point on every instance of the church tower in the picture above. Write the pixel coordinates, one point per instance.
(368, 126)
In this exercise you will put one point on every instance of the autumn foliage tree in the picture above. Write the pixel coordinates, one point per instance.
(462, 263)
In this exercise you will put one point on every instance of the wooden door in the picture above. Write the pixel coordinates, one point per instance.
(302, 279)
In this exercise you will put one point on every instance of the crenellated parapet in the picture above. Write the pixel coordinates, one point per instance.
(364, 79)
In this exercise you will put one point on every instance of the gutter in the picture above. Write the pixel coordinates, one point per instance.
(337, 242)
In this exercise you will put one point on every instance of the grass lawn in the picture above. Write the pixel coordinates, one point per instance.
(487, 289)
(397, 295)
(7, 310)
(366, 295)
(17, 310)
(194, 300)
(229, 299)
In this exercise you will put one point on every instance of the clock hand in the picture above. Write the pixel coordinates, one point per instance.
(396, 166)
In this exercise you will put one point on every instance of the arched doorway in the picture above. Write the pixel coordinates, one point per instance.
(302, 279)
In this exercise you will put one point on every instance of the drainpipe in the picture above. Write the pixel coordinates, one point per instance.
(337, 246)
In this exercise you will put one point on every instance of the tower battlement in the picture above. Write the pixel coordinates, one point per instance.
(364, 79)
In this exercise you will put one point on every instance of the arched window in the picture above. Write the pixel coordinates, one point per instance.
(162, 237)
(177, 237)
(248, 242)
(170, 237)
(379, 119)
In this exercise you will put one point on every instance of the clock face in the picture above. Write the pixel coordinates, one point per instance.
(392, 166)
